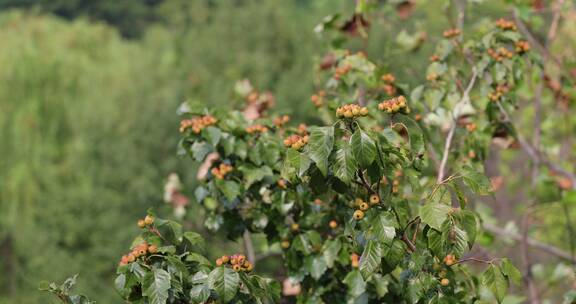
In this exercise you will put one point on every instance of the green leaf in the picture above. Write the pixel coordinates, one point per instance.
(330, 250)
(476, 181)
(511, 272)
(198, 258)
(434, 214)
(200, 150)
(194, 238)
(435, 242)
(467, 221)
(457, 238)
(363, 148)
(355, 282)
(382, 227)
(200, 293)
(317, 266)
(302, 244)
(225, 282)
(230, 189)
(495, 281)
(212, 135)
(321, 143)
(370, 259)
(156, 285)
(415, 134)
(254, 174)
(345, 164)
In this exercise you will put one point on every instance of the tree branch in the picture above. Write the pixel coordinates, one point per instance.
(465, 99)
(249, 246)
(555, 251)
(536, 155)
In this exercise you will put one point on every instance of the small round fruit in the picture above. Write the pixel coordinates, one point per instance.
(219, 262)
(148, 220)
(225, 259)
(141, 223)
(152, 249)
(333, 224)
(248, 267)
(355, 260)
(444, 282)
(131, 258)
(294, 227)
(234, 261)
(236, 267)
(364, 206)
(364, 111)
(449, 260)
(374, 199)
(358, 215)
(285, 244)
(241, 260)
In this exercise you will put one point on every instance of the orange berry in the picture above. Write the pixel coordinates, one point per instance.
(333, 224)
(285, 244)
(358, 215)
(219, 262)
(444, 282)
(148, 220)
(374, 199)
(141, 223)
(294, 227)
(152, 249)
(364, 206)
(236, 267)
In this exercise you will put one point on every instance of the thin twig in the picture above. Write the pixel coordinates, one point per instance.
(474, 260)
(465, 99)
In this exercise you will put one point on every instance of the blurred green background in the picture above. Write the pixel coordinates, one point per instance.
(88, 125)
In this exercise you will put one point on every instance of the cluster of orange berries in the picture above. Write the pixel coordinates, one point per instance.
(355, 260)
(351, 111)
(296, 142)
(197, 123)
(257, 128)
(146, 221)
(363, 206)
(140, 250)
(394, 105)
(318, 99)
(500, 54)
(451, 33)
(505, 25)
(522, 46)
(221, 171)
(500, 90)
(389, 87)
(281, 120)
(341, 71)
(238, 262)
